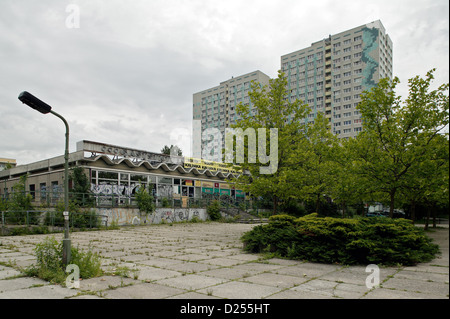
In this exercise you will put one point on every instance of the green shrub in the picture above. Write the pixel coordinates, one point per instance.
(213, 210)
(345, 241)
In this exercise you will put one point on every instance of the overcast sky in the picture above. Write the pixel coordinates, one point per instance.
(127, 73)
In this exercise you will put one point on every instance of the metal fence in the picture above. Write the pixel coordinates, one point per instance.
(47, 199)
(52, 218)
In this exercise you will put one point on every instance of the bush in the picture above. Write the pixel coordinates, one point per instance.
(213, 210)
(345, 241)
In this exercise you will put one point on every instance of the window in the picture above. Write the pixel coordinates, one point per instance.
(347, 49)
(347, 106)
(347, 74)
(346, 82)
(347, 130)
(347, 90)
(357, 121)
(358, 71)
(357, 55)
(357, 38)
(357, 129)
(348, 57)
(347, 114)
(347, 98)
(348, 41)
(347, 122)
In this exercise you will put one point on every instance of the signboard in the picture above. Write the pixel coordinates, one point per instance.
(208, 184)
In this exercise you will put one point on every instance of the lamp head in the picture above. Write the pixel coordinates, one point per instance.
(34, 102)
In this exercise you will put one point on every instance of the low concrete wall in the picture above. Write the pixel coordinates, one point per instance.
(132, 216)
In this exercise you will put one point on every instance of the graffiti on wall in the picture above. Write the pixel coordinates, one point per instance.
(132, 216)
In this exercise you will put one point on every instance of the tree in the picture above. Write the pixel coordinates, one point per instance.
(397, 136)
(81, 187)
(428, 182)
(167, 150)
(270, 108)
(312, 165)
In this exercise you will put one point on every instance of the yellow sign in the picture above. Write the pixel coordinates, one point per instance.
(208, 184)
(214, 166)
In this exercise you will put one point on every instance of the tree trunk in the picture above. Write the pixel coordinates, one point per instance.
(344, 208)
(392, 203)
(434, 215)
(318, 204)
(427, 220)
(275, 205)
(413, 211)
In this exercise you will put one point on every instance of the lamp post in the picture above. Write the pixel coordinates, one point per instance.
(44, 108)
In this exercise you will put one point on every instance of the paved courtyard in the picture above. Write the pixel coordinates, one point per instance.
(206, 260)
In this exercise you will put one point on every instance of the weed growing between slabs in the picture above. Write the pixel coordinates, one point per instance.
(371, 240)
(49, 265)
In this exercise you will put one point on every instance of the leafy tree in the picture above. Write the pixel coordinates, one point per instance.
(270, 108)
(397, 136)
(312, 164)
(166, 150)
(428, 181)
(81, 187)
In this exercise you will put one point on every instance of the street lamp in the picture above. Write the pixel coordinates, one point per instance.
(44, 108)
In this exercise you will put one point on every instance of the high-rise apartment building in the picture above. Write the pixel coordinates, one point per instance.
(331, 74)
(215, 108)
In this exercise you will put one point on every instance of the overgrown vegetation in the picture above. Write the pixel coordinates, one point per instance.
(213, 211)
(49, 265)
(344, 241)
(145, 200)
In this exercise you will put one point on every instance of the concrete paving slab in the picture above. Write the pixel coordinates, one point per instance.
(190, 267)
(318, 286)
(153, 273)
(384, 293)
(308, 270)
(192, 295)
(20, 283)
(143, 291)
(240, 290)
(293, 294)
(229, 273)
(258, 267)
(222, 261)
(191, 257)
(160, 262)
(275, 280)
(357, 274)
(414, 285)
(191, 282)
(105, 283)
(44, 292)
(8, 272)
